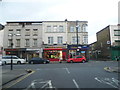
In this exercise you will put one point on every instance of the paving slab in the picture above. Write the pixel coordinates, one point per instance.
(10, 75)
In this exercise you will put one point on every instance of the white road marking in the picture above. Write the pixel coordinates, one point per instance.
(67, 70)
(115, 80)
(112, 82)
(33, 85)
(50, 84)
(46, 84)
(77, 86)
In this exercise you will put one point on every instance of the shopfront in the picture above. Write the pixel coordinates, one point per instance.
(55, 54)
(30, 53)
(74, 50)
(20, 52)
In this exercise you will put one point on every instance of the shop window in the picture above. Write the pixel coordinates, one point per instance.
(54, 54)
(72, 53)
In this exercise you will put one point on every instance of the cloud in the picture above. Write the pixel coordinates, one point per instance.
(98, 13)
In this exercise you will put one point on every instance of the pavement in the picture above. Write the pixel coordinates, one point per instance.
(11, 75)
(112, 69)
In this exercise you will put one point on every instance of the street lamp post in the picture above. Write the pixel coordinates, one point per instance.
(77, 35)
(11, 51)
(11, 56)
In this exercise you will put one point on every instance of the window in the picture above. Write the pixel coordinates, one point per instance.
(18, 42)
(116, 32)
(35, 32)
(85, 39)
(27, 42)
(50, 40)
(117, 42)
(34, 42)
(48, 28)
(18, 32)
(74, 40)
(27, 32)
(79, 29)
(9, 42)
(72, 29)
(14, 57)
(61, 29)
(60, 40)
(85, 27)
(10, 31)
(79, 57)
(54, 28)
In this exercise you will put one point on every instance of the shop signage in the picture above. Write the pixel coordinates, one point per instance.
(11, 49)
(82, 51)
(16, 49)
(74, 47)
(54, 47)
(32, 49)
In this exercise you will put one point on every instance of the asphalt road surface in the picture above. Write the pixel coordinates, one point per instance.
(68, 75)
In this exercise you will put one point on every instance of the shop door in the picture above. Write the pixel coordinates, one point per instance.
(64, 55)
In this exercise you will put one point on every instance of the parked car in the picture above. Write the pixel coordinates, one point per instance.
(2, 63)
(37, 60)
(15, 59)
(77, 59)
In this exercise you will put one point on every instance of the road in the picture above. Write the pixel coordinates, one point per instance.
(68, 75)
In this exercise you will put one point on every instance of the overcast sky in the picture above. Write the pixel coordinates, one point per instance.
(98, 13)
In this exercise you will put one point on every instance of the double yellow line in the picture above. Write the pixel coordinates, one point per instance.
(20, 79)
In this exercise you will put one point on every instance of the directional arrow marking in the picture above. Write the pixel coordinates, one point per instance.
(112, 82)
(46, 84)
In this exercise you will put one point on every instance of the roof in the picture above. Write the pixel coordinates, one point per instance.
(40, 21)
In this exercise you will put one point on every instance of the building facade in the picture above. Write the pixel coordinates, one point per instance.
(26, 38)
(47, 39)
(108, 42)
(92, 52)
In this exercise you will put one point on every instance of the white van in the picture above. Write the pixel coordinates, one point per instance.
(15, 60)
